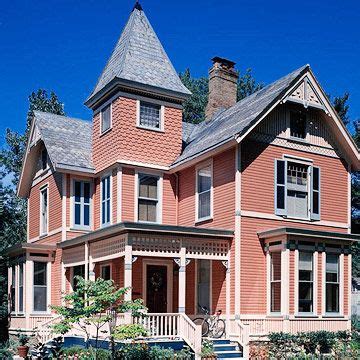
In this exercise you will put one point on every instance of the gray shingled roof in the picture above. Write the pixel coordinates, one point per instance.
(237, 119)
(68, 140)
(139, 57)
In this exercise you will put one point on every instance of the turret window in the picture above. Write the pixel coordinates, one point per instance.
(106, 118)
(150, 115)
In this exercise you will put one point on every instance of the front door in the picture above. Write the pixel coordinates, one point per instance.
(156, 288)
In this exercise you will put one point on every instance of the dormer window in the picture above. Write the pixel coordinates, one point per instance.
(297, 125)
(105, 118)
(44, 159)
(150, 116)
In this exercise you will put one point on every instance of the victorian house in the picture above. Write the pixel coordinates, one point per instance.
(248, 211)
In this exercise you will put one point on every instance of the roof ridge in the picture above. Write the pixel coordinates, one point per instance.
(63, 116)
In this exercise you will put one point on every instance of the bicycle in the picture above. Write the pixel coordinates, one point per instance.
(211, 324)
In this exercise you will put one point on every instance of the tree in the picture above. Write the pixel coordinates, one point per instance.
(194, 106)
(92, 304)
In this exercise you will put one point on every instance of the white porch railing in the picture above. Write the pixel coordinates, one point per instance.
(240, 333)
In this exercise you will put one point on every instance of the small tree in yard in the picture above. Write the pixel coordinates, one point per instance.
(92, 303)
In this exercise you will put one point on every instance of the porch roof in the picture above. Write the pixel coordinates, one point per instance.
(326, 235)
(22, 247)
(128, 227)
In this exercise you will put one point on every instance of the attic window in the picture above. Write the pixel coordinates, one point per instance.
(297, 125)
(44, 161)
(150, 115)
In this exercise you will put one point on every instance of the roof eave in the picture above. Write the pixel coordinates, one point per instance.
(95, 98)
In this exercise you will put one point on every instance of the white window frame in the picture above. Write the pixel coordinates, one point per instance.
(340, 282)
(73, 202)
(277, 249)
(41, 190)
(159, 204)
(48, 287)
(101, 118)
(288, 130)
(19, 266)
(109, 175)
(162, 115)
(197, 169)
(297, 287)
(106, 265)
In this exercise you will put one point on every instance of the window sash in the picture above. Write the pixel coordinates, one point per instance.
(13, 289)
(332, 286)
(105, 200)
(148, 202)
(204, 192)
(306, 282)
(81, 207)
(106, 118)
(44, 211)
(40, 287)
(203, 284)
(150, 115)
(275, 282)
(106, 272)
(21, 288)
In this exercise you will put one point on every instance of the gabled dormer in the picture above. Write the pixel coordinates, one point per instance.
(137, 101)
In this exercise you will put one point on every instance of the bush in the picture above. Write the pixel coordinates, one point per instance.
(129, 331)
(207, 349)
(133, 351)
(157, 352)
(85, 354)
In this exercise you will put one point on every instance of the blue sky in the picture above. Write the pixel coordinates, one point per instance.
(63, 45)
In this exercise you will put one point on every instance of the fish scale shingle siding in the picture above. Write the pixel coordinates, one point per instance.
(126, 141)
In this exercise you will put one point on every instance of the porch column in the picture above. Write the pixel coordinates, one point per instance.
(128, 271)
(228, 295)
(28, 287)
(182, 281)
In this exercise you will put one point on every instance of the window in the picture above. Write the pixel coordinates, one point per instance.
(44, 211)
(105, 118)
(81, 204)
(21, 288)
(148, 198)
(203, 284)
(106, 272)
(297, 125)
(150, 115)
(332, 283)
(44, 159)
(105, 200)
(305, 282)
(40, 286)
(204, 185)
(77, 271)
(297, 190)
(13, 288)
(275, 282)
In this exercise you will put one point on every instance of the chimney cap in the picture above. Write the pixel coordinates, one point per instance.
(225, 62)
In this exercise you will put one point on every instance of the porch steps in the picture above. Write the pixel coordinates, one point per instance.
(226, 349)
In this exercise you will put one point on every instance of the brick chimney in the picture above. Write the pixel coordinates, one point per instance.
(222, 86)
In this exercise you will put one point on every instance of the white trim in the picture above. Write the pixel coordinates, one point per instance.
(108, 174)
(199, 167)
(103, 106)
(41, 190)
(74, 226)
(63, 206)
(296, 281)
(143, 165)
(161, 120)
(315, 281)
(349, 199)
(119, 194)
(323, 282)
(349, 284)
(298, 159)
(341, 284)
(105, 265)
(169, 265)
(237, 232)
(28, 220)
(285, 262)
(268, 283)
(159, 205)
(196, 301)
(261, 215)
(48, 286)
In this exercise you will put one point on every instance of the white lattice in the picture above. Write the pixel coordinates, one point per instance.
(74, 255)
(206, 248)
(108, 247)
(165, 245)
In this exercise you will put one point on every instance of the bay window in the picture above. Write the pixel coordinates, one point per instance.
(82, 204)
(40, 286)
(105, 201)
(204, 193)
(275, 282)
(306, 279)
(148, 198)
(332, 283)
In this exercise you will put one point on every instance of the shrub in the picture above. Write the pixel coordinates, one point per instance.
(85, 354)
(133, 351)
(157, 352)
(207, 349)
(129, 331)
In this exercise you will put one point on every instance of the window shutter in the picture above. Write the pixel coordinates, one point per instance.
(280, 187)
(315, 193)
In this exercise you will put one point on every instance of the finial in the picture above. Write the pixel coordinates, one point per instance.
(137, 6)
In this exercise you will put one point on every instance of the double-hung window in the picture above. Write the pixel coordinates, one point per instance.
(204, 193)
(148, 198)
(105, 201)
(40, 286)
(13, 289)
(305, 282)
(43, 211)
(21, 288)
(105, 272)
(105, 115)
(332, 283)
(150, 115)
(82, 204)
(275, 282)
(297, 190)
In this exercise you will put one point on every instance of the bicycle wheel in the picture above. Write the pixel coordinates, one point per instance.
(219, 329)
(204, 325)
